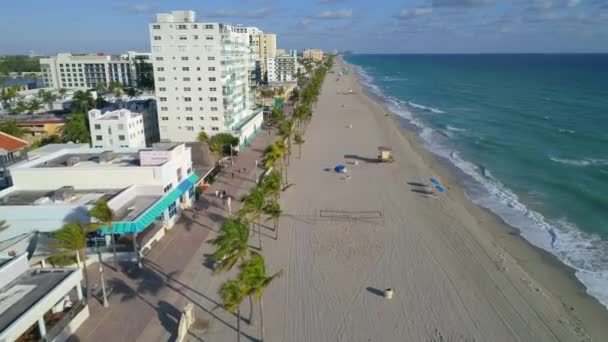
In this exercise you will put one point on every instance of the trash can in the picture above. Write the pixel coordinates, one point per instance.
(388, 293)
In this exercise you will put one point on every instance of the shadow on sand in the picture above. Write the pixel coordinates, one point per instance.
(363, 159)
(375, 291)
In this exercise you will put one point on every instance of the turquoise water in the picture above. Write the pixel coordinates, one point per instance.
(529, 134)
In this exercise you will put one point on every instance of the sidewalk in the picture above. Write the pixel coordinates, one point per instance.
(146, 303)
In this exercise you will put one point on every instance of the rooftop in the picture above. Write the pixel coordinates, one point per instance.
(62, 196)
(93, 159)
(10, 143)
(24, 292)
(135, 207)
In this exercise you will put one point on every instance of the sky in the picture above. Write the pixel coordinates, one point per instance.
(362, 26)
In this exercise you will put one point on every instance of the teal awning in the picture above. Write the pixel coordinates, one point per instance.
(155, 210)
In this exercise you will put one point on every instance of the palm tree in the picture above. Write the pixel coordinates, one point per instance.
(286, 130)
(299, 140)
(62, 92)
(101, 88)
(272, 156)
(232, 296)
(203, 137)
(254, 281)
(280, 146)
(72, 238)
(273, 211)
(83, 101)
(47, 97)
(34, 105)
(17, 108)
(116, 88)
(253, 206)
(105, 216)
(271, 184)
(232, 243)
(9, 94)
(3, 225)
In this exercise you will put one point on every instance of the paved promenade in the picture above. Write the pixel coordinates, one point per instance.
(146, 303)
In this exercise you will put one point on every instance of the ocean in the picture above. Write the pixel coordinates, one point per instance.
(529, 134)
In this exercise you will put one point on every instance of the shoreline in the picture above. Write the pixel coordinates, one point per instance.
(551, 273)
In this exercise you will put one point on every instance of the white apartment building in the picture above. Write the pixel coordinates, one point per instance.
(144, 187)
(116, 129)
(203, 78)
(70, 71)
(283, 68)
(124, 124)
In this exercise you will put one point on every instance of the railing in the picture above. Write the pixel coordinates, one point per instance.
(55, 328)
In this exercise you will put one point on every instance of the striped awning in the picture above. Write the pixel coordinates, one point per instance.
(155, 210)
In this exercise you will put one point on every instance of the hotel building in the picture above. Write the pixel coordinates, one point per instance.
(313, 54)
(204, 78)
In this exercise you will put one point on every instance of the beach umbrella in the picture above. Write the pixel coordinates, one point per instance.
(435, 182)
(440, 188)
(340, 168)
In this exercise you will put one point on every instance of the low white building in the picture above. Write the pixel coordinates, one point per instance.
(125, 124)
(116, 129)
(39, 304)
(144, 187)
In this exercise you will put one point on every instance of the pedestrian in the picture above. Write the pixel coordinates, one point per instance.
(223, 193)
(217, 193)
(244, 169)
(232, 174)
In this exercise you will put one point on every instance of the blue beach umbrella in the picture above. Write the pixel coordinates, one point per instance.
(440, 188)
(340, 168)
(435, 182)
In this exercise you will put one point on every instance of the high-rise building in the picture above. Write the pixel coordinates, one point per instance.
(87, 71)
(267, 49)
(203, 78)
(283, 68)
(313, 54)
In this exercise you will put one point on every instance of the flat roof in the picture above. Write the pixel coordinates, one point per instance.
(135, 207)
(98, 159)
(24, 292)
(45, 197)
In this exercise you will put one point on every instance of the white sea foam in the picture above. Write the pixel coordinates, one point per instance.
(586, 253)
(425, 108)
(563, 130)
(455, 129)
(580, 162)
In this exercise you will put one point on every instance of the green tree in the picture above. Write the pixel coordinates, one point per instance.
(253, 206)
(72, 238)
(298, 140)
(276, 116)
(101, 88)
(62, 92)
(34, 105)
(105, 217)
(82, 101)
(76, 129)
(286, 130)
(222, 144)
(203, 137)
(47, 97)
(12, 127)
(232, 296)
(273, 212)
(116, 88)
(17, 108)
(131, 92)
(231, 243)
(145, 74)
(7, 95)
(271, 184)
(19, 64)
(295, 95)
(253, 280)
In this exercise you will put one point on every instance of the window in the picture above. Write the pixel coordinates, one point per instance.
(185, 69)
(181, 27)
(183, 38)
(121, 137)
(215, 118)
(159, 58)
(211, 69)
(97, 126)
(98, 137)
(172, 210)
(186, 79)
(186, 88)
(209, 38)
(198, 68)
(189, 118)
(188, 109)
(156, 37)
(161, 79)
(202, 118)
(164, 118)
(156, 27)
(160, 69)
(189, 128)
(121, 127)
(213, 89)
(214, 109)
(187, 99)
(168, 187)
(213, 99)
(162, 89)
(200, 89)
(184, 58)
(210, 58)
(212, 79)
(198, 58)
(195, 37)
(208, 26)
(164, 109)
(215, 128)
(163, 99)
(198, 79)
(194, 26)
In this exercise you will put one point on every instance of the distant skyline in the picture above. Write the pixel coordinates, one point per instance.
(382, 26)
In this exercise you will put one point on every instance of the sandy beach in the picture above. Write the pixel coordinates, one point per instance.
(457, 271)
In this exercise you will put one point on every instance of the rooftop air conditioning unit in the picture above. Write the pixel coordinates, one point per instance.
(63, 194)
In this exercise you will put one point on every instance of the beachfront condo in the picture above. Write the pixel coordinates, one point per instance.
(205, 77)
(313, 54)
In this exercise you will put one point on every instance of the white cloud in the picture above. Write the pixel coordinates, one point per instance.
(339, 14)
(256, 13)
(411, 13)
